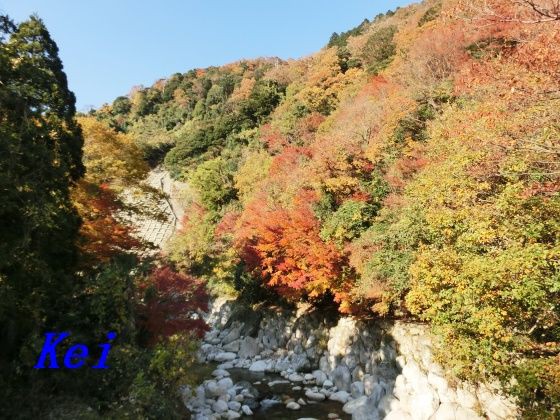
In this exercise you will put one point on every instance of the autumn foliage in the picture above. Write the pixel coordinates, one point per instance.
(172, 303)
(282, 246)
(408, 169)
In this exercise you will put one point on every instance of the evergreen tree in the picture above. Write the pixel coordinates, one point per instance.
(40, 158)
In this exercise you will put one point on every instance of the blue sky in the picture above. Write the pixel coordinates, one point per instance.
(108, 46)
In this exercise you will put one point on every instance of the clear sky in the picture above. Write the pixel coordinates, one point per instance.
(108, 46)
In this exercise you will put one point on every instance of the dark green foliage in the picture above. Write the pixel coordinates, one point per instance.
(213, 180)
(431, 14)
(121, 105)
(340, 40)
(348, 221)
(40, 158)
(413, 126)
(379, 49)
(490, 47)
(211, 134)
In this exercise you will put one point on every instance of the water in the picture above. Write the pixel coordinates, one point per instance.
(282, 392)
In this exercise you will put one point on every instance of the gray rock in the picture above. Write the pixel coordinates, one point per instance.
(248, 348)
(232, 335)
(232, 415)
(246, 410)
(258, 366)
(294, 377)
(212, 389)
(365, 413)
(220, 406)
(360, 402)
(314, 396)
(340, 396)
(328, 384)
(225, 357)
(234, 405)
(378, 392)
(292, 405)
(357, 389)
(225, 383)
(341, 377)
(369, 382)
(233, 346)
(220, 373)
(320, 377)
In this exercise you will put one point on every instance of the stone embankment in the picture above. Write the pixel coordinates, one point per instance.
(158, 231)
(375, 370)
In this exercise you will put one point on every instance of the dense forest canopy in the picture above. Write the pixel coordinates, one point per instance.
(409, 169)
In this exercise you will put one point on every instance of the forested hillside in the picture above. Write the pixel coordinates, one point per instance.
(409, 169)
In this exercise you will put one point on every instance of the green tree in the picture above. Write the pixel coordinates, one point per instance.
(40, 158)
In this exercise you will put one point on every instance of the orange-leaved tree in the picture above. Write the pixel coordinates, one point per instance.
(283, 247)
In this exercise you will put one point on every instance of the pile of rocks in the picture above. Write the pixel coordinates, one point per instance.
(377, 370)
(221, 398)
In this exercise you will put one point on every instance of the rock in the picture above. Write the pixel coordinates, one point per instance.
(466, 398)
(301, 401)
(399, 414)
(494, 405)
(278, 382)
(332, 416)
(232, 335)
(351, 406)
(358, 374)
(212, 389)
(388, 403)
(341, 377)
(357, 389)
(462, 413)
(226, 365)
(269, 402)
(425, 402)
(220, 373)
(366, 413)
(439, 383)
(328, 384)
(232, 415)
(246, 410)
(296, 388)
(258, 366)
(225, 383)
(377, 393)
(234, 405)
(233, 346)
(340, 396)
(445, 411)
(294, 377)
(308, 377)
(320, 377)
(369, 382)
(248, 348)
(225, 357)
(315, 396)
(292, 405)
(220, 406)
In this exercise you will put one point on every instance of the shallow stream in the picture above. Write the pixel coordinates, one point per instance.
(273, 398)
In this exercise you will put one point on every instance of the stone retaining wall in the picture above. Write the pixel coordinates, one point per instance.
(377, 369)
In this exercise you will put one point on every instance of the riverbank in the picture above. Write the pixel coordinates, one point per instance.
(370, 370)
